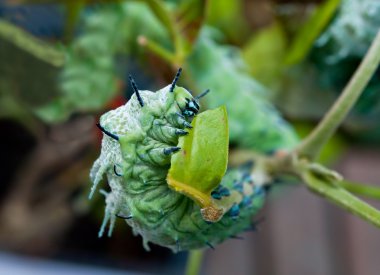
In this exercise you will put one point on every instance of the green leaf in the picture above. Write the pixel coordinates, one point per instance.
(310, 30)
(226, 15)
(336, 194)
(264, 54)
(202, 162)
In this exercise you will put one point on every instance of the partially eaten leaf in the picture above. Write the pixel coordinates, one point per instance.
(202, 162)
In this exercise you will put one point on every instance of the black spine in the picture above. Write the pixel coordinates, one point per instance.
(136, 90)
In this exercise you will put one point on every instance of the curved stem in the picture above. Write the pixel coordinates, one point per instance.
(194, 261)
(313, 143)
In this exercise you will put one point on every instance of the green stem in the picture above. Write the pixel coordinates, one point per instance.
(333, 192)
(361, 189)
(30, 44)
(167, 19)
(313, 143)
(194, 261)
(156, 49)
(72, 12)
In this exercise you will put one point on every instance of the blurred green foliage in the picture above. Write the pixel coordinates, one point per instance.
(195, 34)
(88, 79)
(175, 33)
(19, 52)
(338, 52)
(310, 31)
(265, 52)
(226, 16)
(254, 123)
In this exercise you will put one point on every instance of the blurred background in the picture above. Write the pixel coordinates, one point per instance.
(277, 65)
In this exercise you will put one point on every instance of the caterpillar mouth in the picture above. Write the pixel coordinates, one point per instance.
(192, 105)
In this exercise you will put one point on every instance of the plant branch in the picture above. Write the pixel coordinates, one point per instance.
(367, 191)
(28, 43)
(336, 194)
(166, 18)
(313, 143)
(194, 261)
(156, 49)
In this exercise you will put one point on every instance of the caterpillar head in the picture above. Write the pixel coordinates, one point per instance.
(191, 108)
(192, 105)
(188, 104)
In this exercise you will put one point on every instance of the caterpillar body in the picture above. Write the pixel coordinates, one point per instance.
(139, 139)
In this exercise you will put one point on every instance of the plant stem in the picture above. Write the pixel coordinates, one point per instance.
(194, 261)
(368, 191)
(313, 143)
(72, 14)
(33, 46)
(167, 19)
(333, 192)
(157, 49)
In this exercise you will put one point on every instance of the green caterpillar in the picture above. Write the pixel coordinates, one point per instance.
(139, 140)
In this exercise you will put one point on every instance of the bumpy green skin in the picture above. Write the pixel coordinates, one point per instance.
(159, 214)
(254, 122)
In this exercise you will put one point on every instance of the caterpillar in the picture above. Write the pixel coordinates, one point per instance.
(139, 140)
